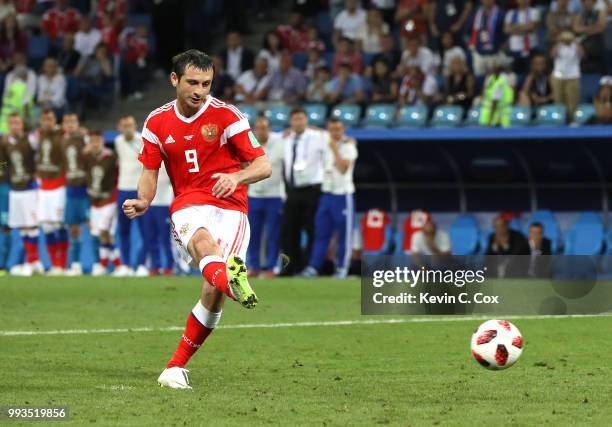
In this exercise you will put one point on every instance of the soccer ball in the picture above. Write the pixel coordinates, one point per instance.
(497, 344)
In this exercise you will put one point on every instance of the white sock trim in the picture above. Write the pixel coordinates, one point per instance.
(207, 260)
(205, 317)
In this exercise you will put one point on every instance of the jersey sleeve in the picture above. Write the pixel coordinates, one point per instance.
(348, 151)
(243, 142)
(150, 154)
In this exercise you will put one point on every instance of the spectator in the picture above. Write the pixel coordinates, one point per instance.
(349, 23)
(566, 71)
(558, 21)
(346, 87)
(448, 16)
(429, 240)
(416, 55)
(372, 33)
(497, 98)
(314, 42)
(87, 38)
(12, 39)
(95, 74)
(315, 61)
(347, 53)
(418, 88)
(319, 88)
(236, 58)
(135, 62)
(590, 24)
(16, 98)
(287, 84)
(68, 58)
(7, 8)
(60, 19)
(410, 17)
(115, 9)
(20, 67)
(223, 84)
(521, 24)
(537, 88)
(538, 246)
(389, 54)
(252, 85)
(51, 92)
(111, 30)
(383, 87)
(505, 241)
(603, 102)
(450, 51)
(460, 84)
(486, 36)
(271, 50)
(293, 36)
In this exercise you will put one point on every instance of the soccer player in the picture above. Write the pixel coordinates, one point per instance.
(336, 210)
(202, 142)
(19, 151)
(101, 166)
(52, 192)
(77, 205)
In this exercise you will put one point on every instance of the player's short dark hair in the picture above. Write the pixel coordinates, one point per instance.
(537, 224)
(297, 110)
(195, 58)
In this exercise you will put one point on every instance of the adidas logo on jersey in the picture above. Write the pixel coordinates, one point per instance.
(169, 140)
(188, 137)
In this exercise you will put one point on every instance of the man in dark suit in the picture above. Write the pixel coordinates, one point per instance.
(538, 245)
(236, 57)
(506, 244)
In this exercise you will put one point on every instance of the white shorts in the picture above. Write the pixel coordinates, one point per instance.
(51, 205)
(22, 208)
(229, 228)
(103, 218)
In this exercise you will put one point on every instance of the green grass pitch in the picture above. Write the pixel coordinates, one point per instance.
(409, 374)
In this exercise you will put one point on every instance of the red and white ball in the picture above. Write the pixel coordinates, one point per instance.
(497, 344)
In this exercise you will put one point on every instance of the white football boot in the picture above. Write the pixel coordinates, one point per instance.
(174, 377)
(98, 270)
(75, 270)
(123, 271)
(56, 271)
(142, 271)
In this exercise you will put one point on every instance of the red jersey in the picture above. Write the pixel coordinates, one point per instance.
(56, 22)
(214, 140)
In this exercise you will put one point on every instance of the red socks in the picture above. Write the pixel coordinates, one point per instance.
(200, 324)
(214, 270)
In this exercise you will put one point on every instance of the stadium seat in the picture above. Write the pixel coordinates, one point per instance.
(38, 49)
(347, 113)
(520, 116)
(464, 235)
(376, 232)
(447, 116)
(551, 115)
(411, 117)
(550, 225)
(584, 113)
(316, 114)
(586, 236)
(278, 115)
(589, 85)
(379, 115)
(250, 112)
(413, 223)
(473, 116)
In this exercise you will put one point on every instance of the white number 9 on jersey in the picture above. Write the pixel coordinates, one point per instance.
(192, 157)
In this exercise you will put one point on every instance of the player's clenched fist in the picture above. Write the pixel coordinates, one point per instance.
(225, 185)
(134, 207)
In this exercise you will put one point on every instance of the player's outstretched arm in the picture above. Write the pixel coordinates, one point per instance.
(226, 184)
(147, 187)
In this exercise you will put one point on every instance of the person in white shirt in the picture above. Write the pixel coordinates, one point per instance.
(521, 25)
(430, 241)
(51, 87)
(350, 22)
(252, 85)
(416, 55)
(87, 38)
(127, 146)
(303, 164)
(266, 204)
(156, 228)
(565, 82)
(336, 211)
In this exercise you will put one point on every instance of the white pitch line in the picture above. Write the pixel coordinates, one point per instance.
(292, 325)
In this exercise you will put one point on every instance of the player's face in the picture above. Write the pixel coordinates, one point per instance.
(47, 121)
(299, 121)
(336, 130)
(15, 125)
(70, 123)
(193, 87)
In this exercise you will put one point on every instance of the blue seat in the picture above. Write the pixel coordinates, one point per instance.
(347, 113)
(520, 116)
(473, 117)
(250, 112)
(551, 115)
(38, 49)
(447, 116)
(586, 237)
(463, 234)
(379, 115)
(584, 113)
(278, 115)
(412, 117)
(589, 86)
(550, 225)
(316, 114)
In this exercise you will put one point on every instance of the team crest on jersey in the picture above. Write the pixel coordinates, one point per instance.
(184, 229)
(210, 132)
